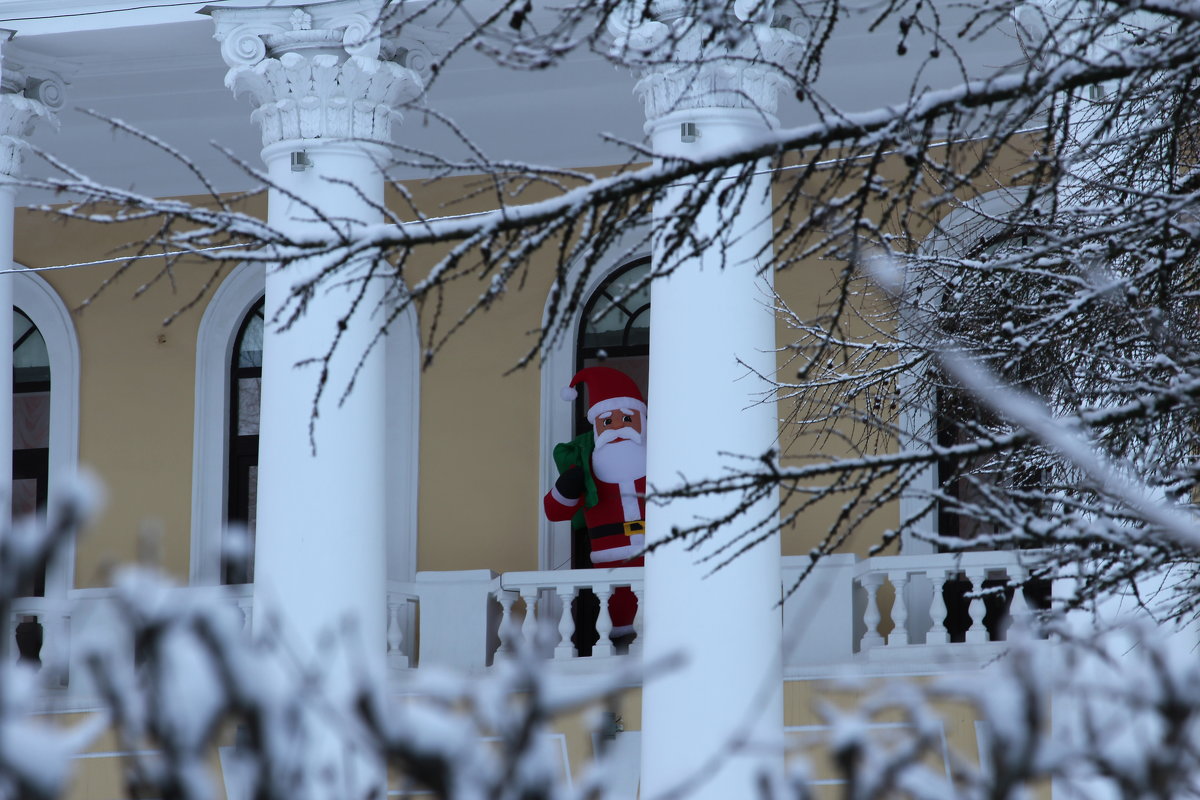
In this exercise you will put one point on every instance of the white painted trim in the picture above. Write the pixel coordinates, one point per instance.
(49, 313)
(402, 349)
(230, 303)
(558, 367)
(969, 222)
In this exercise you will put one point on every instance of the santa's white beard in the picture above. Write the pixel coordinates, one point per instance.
(619, 462)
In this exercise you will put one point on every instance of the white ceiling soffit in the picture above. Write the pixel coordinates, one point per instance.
(160, 70)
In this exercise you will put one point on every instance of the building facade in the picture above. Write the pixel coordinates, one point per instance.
(413, 505)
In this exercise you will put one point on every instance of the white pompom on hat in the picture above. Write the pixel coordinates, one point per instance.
(608, 390)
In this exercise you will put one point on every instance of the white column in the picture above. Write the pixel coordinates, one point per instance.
(323, 91)
(27, 95)
(714, 725)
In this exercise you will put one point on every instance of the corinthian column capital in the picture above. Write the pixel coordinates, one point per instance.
(30, 90)
(685, 62)
(326, 70)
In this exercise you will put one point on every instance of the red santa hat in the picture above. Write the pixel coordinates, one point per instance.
(608, 390)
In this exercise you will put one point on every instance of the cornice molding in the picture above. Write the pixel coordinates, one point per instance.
(683, 63)
(323, 70)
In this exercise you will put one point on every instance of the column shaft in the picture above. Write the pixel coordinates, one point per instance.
(320, 549)
(716, 721)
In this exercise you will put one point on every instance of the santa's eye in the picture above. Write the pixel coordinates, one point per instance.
(627, 418)
(608, 422)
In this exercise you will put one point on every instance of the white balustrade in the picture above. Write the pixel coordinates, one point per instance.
(552, 603)
(881, 608)
(921, 608)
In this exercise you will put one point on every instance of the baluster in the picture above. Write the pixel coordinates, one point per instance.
(1018, 610)
(899, 634)
(245, 605)
(507, 631)
(604, 646)
(566, 623)
(871, 616)
(937, 609)
(11, 648)
(976, 633)
(395, 635)
(639, 623)
(530, 625)
(61, 640)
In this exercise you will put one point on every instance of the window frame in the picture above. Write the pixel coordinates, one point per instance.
(558, 367)
(242, 449)
(215, 340)
(973, 222)
(39, 301)
(217, 335)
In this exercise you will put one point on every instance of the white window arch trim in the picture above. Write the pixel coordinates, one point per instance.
(972, 221)
(42, 304)
(230, 303)
(557, 415)
(217, 335)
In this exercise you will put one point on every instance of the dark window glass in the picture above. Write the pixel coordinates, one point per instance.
(245, 382)
(615, 332)
(31, 427)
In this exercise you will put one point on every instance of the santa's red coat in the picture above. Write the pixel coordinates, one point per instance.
(617, 503)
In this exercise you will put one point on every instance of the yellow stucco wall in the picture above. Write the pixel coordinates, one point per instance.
(137, 388)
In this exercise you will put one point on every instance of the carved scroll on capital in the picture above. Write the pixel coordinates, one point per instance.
(325, 69)
(244, 45)
(49, 90)
(360, 36)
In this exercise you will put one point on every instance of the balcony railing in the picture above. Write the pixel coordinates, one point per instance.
(881, 611)
(574, 604)
(945, 599)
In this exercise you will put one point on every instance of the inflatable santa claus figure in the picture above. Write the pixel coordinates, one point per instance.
(602, 473)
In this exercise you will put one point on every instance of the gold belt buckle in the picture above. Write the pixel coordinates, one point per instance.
(634, 527)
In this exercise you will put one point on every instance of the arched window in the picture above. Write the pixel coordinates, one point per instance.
(614, 330)
(619, 337)
(945, 414)
(225, 444)
(960, 417)
(245, 384)
(31, 426)
(45, 423)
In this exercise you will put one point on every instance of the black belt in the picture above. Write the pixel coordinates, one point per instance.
(617, 529)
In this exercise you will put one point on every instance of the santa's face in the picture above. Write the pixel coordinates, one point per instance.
(620, 454)
(618, 420)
